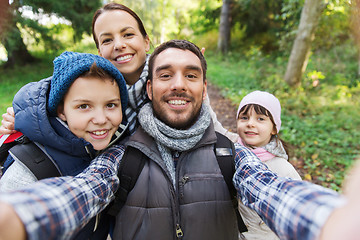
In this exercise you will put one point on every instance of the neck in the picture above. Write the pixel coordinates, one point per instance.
(132, 78)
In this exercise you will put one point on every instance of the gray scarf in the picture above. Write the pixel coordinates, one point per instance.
(275, 147)
(137, 97)
(168, 138)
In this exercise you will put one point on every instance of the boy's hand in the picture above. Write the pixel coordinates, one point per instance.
(8, 122)
(11, 227)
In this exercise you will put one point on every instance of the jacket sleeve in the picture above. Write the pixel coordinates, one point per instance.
(56, 208)
(281, 201)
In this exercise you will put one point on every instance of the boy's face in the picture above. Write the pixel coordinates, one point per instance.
(92, 110)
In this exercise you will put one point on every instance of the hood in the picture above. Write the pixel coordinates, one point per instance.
(32, 120)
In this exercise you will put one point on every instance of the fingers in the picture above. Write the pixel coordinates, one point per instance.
(8, 122)
(10, 111)
(203, 51)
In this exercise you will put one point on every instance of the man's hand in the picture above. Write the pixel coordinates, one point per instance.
(344, 222)
(11, 227)
(8, 122)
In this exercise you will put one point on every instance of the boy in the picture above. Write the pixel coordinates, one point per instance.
(79, 117)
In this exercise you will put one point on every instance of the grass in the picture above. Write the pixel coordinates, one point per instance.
(13, 79)
(319, 121)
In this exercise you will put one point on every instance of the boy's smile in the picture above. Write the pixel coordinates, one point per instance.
(92, 110)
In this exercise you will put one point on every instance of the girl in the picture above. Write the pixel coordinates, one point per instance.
(120, 37)
(258, 124)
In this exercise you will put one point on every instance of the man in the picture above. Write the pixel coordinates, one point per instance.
(180, 193)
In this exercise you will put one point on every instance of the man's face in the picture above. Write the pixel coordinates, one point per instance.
(177, 88)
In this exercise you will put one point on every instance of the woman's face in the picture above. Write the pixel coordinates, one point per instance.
(121, 42)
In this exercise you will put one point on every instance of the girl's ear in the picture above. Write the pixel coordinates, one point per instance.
(60, 112)
(274, 131)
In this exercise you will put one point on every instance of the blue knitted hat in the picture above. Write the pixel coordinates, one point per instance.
(69, 66)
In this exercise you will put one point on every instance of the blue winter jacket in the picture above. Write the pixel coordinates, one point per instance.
(70, 153)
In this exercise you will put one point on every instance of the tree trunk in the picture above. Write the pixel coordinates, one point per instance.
(355, 23)
(5, 15)
(225, 27)
(299, 56)
(11, 39)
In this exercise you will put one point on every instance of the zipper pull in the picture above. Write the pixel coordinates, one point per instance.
(184, 179)
(179, 232)
(182, 184)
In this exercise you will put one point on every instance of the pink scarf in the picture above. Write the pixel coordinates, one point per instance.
(260, 152)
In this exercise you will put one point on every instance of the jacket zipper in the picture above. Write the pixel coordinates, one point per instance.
(178, 230)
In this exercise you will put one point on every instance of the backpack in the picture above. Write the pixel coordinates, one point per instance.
(42, 166)
(133, 162)
(30, 155)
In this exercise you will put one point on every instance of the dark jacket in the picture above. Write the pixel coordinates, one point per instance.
(200, 207)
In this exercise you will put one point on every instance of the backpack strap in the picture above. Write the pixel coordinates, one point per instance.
(35, 159)
(131, 166)
(225, 154)
(6, 142)
(133, 162)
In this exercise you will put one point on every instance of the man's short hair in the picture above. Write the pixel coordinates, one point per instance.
(179, 44)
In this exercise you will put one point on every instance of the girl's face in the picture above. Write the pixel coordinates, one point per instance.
(255, 129)
(92, 110)
(121, 42)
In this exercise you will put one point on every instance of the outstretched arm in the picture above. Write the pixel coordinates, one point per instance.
(56, 208)
(8, 122)
(292, 209)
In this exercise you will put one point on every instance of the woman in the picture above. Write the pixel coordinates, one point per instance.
(120, 37)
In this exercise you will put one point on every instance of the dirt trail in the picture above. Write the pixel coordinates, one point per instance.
(225, 110)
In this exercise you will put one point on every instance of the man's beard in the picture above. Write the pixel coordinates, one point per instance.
(180, 125)
(176, 123)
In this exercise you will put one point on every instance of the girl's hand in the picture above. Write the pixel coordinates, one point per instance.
(8, 122)
(203, 51)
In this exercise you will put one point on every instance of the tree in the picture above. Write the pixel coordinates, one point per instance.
(224, 27)
(355, 23)
(299, 56)
(78, 12)
(10, 37)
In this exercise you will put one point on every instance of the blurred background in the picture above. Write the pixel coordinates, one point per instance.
(306, 52)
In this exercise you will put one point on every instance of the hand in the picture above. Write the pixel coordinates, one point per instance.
(8, 122)
(11, 227)
(203, 51)
(344, 222)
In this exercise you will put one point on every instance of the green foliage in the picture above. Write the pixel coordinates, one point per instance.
(79, 13)
(206, 17)
(320, 118)
(13, 79)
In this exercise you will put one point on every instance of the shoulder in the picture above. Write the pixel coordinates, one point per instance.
(283, 168)
(16, 176)
(243, 151)
(110, 156)
(34, 92)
